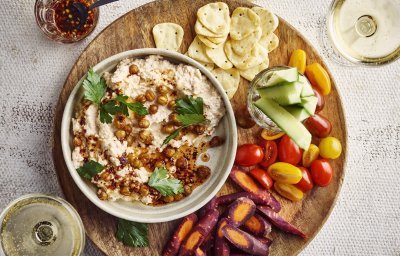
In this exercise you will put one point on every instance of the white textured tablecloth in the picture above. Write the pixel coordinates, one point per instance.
(366, 219)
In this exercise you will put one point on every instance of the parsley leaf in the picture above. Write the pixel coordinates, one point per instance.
(95, 87)
(90, 169)
(166, 187)
(135, 107)
(171, 137)
(190, 112)
(132, 233)
(189, 105)
(190, 119)
(120, 105)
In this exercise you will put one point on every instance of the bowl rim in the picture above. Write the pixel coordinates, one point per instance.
(84, 187)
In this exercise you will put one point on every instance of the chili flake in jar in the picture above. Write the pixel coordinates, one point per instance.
(67, 19)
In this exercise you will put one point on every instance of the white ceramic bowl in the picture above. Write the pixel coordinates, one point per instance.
(221, 160)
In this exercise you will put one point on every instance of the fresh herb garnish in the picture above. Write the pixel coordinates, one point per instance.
(190, 112)
(132, 233)
(166, 186)
(90, 169)
(95, 87)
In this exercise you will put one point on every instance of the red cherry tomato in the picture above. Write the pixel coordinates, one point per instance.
(321, 172)
(262, 177)
(288, 151)
(321, 101)
(306, 183)
(318, 126)
(249, 154)
(270, 152)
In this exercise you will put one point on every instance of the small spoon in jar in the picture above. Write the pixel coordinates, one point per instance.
(83, 11)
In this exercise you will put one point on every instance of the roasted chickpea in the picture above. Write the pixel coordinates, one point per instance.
(127, 129)
(144, 123)
(144, 158)
(162, 89)
(216, 141)
(159, 164)
(168, 128)
(199, 129)
(130, 140)
(203, 172)
(168, 199)
(187, 190)
(141, 98)
(127, 183)
(181, 163)
(169, 152)
(162, 100)
(136, 163)
(144, 190)
(133, 69)
(171, 104)
(77, 142)
(173, 118)
(145, 136)
(120, 134)
(102, 195)
(106, 176)
(153, 109)
(125, 190)
(135, 186)
(131, 158)
(178, 197)
(150, 96)
(119, 121)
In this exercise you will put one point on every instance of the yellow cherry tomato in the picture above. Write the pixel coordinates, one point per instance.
(288, 191)
(268, 135)
(330, 148)
(285, 173)
(319, 78)
(298, 60)
(310, 155)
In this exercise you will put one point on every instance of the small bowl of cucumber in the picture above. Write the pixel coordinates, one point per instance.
(280, 99)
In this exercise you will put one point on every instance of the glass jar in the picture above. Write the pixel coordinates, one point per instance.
(59, 20)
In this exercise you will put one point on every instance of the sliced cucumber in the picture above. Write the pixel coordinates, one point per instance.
(309, 104)
(307, 89)
(284, 93)
(284, 120)
(284, 75)
(298, 112)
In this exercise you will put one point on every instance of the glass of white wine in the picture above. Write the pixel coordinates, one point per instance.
(39, 224)
(363, 32)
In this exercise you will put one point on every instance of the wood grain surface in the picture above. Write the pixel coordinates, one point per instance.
(132, 31)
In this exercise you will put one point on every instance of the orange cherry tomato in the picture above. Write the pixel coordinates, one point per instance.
(262, 177)
(288, 151)
(249, 154)
(268, 135)
(321, 172)
(318, 126)
(270, 152)
(318, 78)
(306, 183)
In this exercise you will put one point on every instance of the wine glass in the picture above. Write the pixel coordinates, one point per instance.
(362, 32)
(39, 224)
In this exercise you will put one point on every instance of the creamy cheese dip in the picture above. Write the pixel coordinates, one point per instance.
(122, 147)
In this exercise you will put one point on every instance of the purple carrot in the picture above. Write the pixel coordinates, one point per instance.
(279, 222)
(227, 199)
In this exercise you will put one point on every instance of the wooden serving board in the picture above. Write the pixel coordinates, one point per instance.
(132, 31)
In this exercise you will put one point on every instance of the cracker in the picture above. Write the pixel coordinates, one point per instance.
(255, 57)
(200, 29)
(168, 36)
(229, 80)
(270, 41)
(215, 17)
(218, 56)
(197, 51)
(269, 21)
(206, 41)
(209, 66)
(243, 22)
(250, 73)
(241, 47)
(218, 40)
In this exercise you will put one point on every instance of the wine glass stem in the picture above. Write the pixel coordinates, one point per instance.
(44, 233)
(365, 26)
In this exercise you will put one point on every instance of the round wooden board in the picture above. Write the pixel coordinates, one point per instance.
(132, 31)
